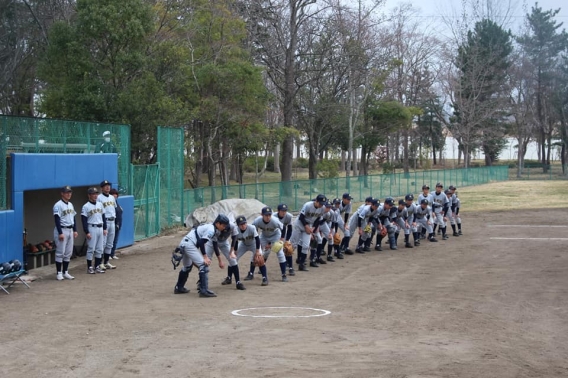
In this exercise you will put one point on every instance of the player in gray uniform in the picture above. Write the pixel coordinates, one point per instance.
(455, 207)
(338, 226)
(366, 216)
(323, 235)
(440, 207)
(109, 204)
(401, 220)
(64, 233)
(286, 233)
(422, 214)
(270, 232)
(95, 227)
(410, 209)
(425, 194)
(384, 216)
(345, 208)
(307, 222)
(247, 239)
(221, 243)
(193, 251)
(350, 229)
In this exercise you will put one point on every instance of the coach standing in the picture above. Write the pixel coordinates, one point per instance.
(64, 233)
(117, 222)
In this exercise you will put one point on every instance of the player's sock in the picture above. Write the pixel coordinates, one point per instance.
(65, 266)
(263, 271)
(459, 226)
(283, 268)
(454, 227)
(229, 272)
(330, 249)
(89, 263)
(98, 261)
(236, 274)
(251, 269)
(58, 267)
(289, 261)
(406, 238)
(434, 228)
(319, 250)
(443, 231)
(312, 254)
(106, 258)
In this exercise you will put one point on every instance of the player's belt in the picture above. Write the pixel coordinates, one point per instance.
(110, 219)
(67, 226)
(96, 225)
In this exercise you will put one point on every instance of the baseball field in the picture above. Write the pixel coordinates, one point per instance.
(490, 303)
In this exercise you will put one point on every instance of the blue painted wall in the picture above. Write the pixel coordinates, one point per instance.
(47, 171)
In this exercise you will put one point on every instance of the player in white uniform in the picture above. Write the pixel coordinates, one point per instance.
(307, 222)
(286, 233)
(247, 239)
(384, 216)
(367, 215)
(422, 215)
(350, 228)
(425, 194)
(401, 220)
(194, 252)
(221, 243)
(64, 233)
(322, 236)
(95, 227)
(270, 232)
(109, 204)
(410, 210)
(455, 207)
(440, 206)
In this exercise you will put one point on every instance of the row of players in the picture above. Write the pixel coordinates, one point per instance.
(316, 226)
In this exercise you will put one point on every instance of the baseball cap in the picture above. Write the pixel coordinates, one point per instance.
(336, 201)
(425, 187)
(375, 202)
(369, 199)
(347, 196)
(424, 201)
(106, 133)
(66, 189)
(113, 191)
(105, 182)
(92, 190)
(439, 185)
(451, 187)
(282, 207)
(328, 204)
(447, 191)
(321, 198)
(389, 201)
(241, 219)
(401, 202)
(266, 211)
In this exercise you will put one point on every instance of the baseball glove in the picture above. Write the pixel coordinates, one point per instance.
(336, 239)
(288, 248)
(276, 246)
(367, 229)
(384, 231)
(177, 256)
(258, 260)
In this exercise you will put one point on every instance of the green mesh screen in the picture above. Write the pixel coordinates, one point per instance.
(41, 135)
(146, 191)
(296, 193)
(171, 161)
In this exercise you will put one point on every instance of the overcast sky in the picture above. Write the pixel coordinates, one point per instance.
(431, 10)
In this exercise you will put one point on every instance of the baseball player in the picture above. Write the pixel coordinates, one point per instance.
(64, 233)
(286, 233)
(95, 227)
(109, 204)
(455, 207)
(270, 232)
(422, 215)
(322, 235)
(194, 252)
(348, 231)
(425, 194)
(221, 243)
(345, 208)
(335, 219)
(384, 216)
(363, 219)
(401, 220)
(247, 239)
(307, 222)
(410, 210)
(440, 207)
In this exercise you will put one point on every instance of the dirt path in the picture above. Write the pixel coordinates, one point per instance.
(467, 307)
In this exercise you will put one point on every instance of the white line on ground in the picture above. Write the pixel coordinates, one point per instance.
(526, 225)
(318, 312)
(529, 238)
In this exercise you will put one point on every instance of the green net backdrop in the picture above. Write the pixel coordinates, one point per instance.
(171, 162)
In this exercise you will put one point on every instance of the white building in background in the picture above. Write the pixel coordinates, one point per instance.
(508, 153)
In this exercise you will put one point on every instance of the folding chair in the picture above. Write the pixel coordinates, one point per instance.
(12, 278)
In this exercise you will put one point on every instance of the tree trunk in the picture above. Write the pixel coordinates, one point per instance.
(405, 162)
(312, 162)
(277, 159)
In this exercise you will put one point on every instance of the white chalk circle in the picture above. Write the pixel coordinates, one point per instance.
(281, 312)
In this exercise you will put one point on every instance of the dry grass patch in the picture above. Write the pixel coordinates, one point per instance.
(511, 195)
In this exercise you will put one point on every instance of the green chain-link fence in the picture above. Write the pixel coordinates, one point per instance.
(171, 160)
(296, 193)
(41, 135)
(146, 191)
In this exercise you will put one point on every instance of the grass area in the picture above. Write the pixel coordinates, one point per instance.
(511, 195)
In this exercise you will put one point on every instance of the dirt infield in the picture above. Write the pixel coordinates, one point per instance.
(466, 307)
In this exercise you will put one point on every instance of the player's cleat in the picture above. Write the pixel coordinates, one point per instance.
(433, 239)
(393, 247)
(291, 272)
(227, 281)
(378, 247)
(99, 270)
(109, 266)
(249, 276)
(339, 256)
(408, 245)
(321, 261)
(264, 281)
(284, 278)
(207, 294)
(314, 264)
(330, 258)
(303, 268)
(180, 290)
(59, 276)
(68, 276)
(115, 257)
(439, 232)
(422, 236)
(348, 251)
(91, 270)
(417, 243)
(101, 266)
(455, 234)
(445, 237)
(240, 286)
(460, 232)
(366, 249)
(359, 250)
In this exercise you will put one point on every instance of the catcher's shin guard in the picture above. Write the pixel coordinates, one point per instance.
(392, 241)
(182, 279)
(204, 283)
(396, 238)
